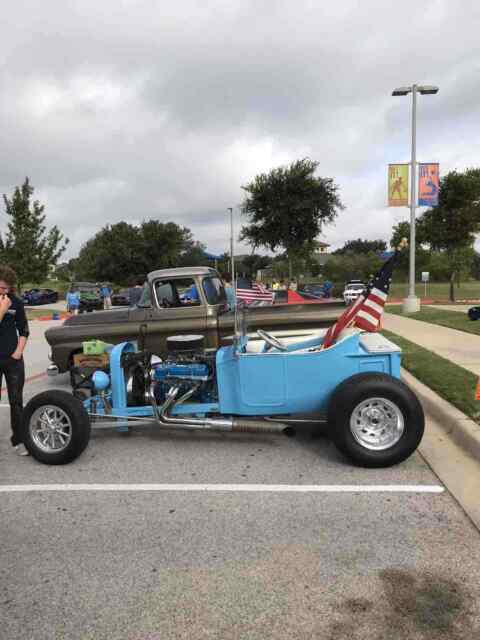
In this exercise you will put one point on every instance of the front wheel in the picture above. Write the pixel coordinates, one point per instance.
(56, 427)
(375, 420)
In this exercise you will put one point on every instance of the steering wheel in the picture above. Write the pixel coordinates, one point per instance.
(271, 340)
(166, 304)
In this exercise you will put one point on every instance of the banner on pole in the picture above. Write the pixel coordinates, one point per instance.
(428, 184)
(398, 185)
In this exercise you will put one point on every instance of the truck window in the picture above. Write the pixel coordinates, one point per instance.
(214, 291)
(176, 293)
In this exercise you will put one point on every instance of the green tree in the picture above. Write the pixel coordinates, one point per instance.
(339, 269)
(163, 243)
(29, 247)
(423, 256)
(287, 207)
(361, 246)
(118, 252)
(114, 254)
(194, 256)
(451, 226)
(254, 262)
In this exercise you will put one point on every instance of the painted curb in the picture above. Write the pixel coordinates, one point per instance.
(462, 429)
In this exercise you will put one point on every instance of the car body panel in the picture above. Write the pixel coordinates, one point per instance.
(273, 383)
(297, 381)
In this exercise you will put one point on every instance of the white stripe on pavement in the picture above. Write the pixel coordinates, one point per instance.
(253, 488)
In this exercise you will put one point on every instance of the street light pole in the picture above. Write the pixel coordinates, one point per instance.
(411, 304)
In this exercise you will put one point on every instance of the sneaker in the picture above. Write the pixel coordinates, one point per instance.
(21, 450)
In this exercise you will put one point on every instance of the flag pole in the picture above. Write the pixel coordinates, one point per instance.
(232, 269)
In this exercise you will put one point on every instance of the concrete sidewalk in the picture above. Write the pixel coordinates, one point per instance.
(459, 347)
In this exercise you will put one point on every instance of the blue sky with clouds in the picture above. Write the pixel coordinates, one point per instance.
(131, 110)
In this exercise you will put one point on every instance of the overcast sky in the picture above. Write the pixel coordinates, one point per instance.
(139, 109)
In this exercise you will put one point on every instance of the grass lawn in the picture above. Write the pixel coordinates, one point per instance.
(451, 382)
(437, 290)
(450, 319)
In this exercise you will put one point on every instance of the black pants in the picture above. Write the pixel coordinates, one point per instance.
(14, 373)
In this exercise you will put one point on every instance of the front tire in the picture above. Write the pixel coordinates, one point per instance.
(375, 420)
(56, 427)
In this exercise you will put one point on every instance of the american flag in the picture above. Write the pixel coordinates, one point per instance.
(366, 312)
(248, 291)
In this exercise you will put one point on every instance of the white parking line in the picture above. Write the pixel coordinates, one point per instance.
(252, 488)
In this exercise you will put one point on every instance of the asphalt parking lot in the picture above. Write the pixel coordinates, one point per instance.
(152, 563)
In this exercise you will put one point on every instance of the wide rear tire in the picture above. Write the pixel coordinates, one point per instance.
(375, 420)
(56, 427)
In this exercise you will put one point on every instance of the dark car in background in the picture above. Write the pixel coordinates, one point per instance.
(121, 298)
(312, 290)
(90, 298)
(39, 296)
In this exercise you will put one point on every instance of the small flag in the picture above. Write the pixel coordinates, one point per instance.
(366, 312)
(248, 291)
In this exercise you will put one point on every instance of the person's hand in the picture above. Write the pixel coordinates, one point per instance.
(16, 355)
(5, 303)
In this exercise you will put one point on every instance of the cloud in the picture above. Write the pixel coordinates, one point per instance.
(134, 110)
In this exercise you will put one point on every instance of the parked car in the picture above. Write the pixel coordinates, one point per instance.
(161, 313)
(90, 299)
(121, 298)
(353, 289)
(39, 296)
(312, 290)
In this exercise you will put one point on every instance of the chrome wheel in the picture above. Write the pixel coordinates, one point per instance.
(377, 424)
(50, 429)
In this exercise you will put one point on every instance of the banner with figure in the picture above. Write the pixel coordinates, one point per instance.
(428, 184)
(398, 185)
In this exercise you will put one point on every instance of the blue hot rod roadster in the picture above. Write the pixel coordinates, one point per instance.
(259, 383)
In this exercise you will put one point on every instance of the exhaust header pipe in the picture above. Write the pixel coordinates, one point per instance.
(240, 425)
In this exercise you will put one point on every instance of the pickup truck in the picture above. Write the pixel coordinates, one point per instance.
(187, 300)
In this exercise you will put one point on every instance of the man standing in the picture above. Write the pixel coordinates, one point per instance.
(135, 291)
(106, 294)
(13, 338)
(230, 293)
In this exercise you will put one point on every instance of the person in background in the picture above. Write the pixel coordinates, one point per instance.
(106, 294)
(192, 294)
(293, 285)
(327, 289)
(13, 338)
(135, 291)
(275, 285)
(73, 301)
(282, 286)
(227, 281)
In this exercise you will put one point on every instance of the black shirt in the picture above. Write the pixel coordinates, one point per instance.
(13, 324)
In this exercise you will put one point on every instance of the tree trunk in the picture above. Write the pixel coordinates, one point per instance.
(452, 287)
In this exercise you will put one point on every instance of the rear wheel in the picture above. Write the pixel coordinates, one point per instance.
(56, 427)
(375, 420)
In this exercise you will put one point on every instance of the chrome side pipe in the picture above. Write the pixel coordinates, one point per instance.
(244, 425)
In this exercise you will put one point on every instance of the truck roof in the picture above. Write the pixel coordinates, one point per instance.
(181, 271)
